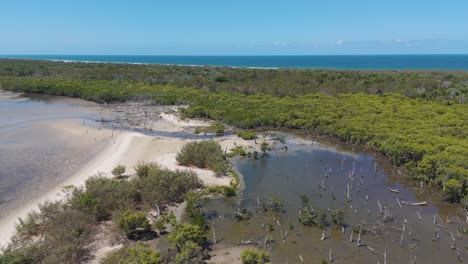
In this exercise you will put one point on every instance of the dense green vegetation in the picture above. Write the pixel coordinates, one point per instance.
(428, 137)
(432, 85)
(60, 232)
(203, 154)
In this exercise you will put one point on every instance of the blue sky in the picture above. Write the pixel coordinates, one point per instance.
(240, 27)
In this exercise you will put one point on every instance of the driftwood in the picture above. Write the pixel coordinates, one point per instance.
(459, 255)
(283, 236)
(350, 176)
(324, 236)
(398, 201)
(249, 242)
(415, 204)
(157, 211)
(393, 190)
(436, 234)
(330, 256)
(448, 220)
(348, 198)
(373, 250)
(412, 257)
(385, 256)
(213, 230)
(419, 214)
(402, 236)
(359, 237)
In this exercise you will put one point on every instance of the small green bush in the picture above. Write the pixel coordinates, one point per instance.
(337, 217)
(464, 202)
(203, 154)
(184, 232)
(131, 221)
(252, 256)
(165, 186)
(141, 254)
(452, 190)
(118, 171)
(237, 150)
(191, 253)
(246, 135)
(218, 128)
(142, 168)
(104, 197)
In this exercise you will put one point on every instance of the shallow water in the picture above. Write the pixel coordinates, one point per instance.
(300, 170)
(36, 151)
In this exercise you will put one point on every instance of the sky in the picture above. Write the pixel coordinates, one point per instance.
(233, 27)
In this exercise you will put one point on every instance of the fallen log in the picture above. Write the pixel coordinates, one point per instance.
(415, 204)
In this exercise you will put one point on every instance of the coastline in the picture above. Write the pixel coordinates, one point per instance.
(373, 62)
(125, 148)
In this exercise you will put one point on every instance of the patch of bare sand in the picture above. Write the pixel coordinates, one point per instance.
(226, 254)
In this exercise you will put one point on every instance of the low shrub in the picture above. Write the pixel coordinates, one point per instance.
(118, 171)
(452, 190)
(203, 154)
(252, 256)
(142, 168)
(142, 254)
(131, 221)
(246, 135)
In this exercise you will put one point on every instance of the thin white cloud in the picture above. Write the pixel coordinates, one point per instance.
(280, 44)
(339, 42)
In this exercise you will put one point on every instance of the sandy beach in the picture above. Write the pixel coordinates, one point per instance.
(122, 147)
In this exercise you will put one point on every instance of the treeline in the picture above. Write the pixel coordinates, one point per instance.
(429, 85)
(429, 138)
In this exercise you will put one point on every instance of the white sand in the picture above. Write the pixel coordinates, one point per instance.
(173, 119)
(125, 148)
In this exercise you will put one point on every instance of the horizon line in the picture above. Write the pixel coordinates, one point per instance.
(245, 55)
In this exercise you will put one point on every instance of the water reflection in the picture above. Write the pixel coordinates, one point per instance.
(315, 170)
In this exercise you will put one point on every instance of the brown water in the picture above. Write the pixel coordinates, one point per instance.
(301, 170)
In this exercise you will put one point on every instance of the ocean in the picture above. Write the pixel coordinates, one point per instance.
(340, 62)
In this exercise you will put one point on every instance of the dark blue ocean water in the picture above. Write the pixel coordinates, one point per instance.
(362, 62)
